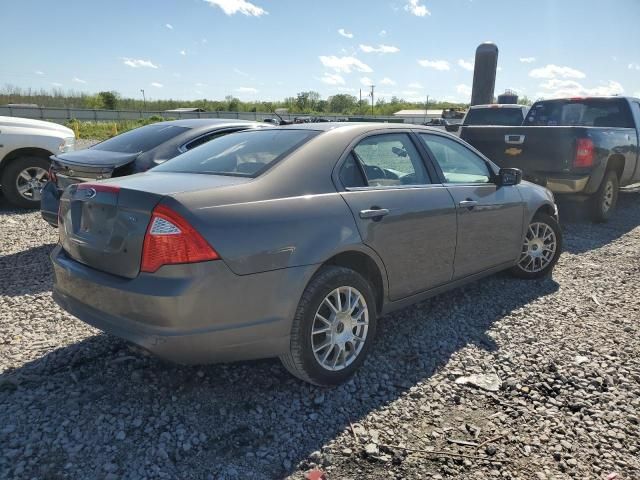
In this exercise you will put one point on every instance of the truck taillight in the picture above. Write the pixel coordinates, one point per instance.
(170, 240)
(584, 153)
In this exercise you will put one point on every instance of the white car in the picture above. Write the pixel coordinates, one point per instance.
(25, 148)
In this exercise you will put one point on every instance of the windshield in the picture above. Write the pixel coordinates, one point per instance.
(141, 139)
(245, 154)
(581, 113)
(510, 117)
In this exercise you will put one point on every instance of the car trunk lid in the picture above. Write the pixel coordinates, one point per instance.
(103, 224)
(86, 165)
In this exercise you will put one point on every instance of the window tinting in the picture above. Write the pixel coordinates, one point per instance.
(458, 163)
(350, 173)
(390, 160)
(245, 154)
(141, 139)
(510, 117)
(580, 113)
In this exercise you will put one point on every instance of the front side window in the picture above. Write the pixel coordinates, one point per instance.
(458, 163)
(390, 160)
(243, 154)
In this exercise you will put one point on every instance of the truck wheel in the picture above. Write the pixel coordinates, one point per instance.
(23, 179)
(333, 328)
(541, 248)
(604, 201)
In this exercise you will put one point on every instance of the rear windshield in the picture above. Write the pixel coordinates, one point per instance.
(509, 117)
(245, 154)
(581, 113)
(141, 139)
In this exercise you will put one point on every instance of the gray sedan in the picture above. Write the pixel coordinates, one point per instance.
(292, 241)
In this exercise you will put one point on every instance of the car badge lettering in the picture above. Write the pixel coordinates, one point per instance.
(90, 193)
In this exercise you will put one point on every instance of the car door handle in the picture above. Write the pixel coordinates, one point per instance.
(374, 213)
(468, 203)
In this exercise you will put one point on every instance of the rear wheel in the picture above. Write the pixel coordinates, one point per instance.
(333, 328)
(23, 179)
(604, 201)
(541, 248)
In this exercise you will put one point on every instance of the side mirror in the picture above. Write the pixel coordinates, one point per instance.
(509, 176)
(452, 127)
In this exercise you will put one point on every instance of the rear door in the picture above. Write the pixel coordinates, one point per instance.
(400, 213)
(490, 218)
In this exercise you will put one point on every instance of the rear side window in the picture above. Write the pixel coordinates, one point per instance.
(141, 139)
(351, 173)
(244, 154)
(390, 160)
(581, 113)
(509, 117)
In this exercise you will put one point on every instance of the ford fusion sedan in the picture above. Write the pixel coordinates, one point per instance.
(292, 242)
(130, 152)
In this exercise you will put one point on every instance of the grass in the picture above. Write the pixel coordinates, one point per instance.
(104, 130)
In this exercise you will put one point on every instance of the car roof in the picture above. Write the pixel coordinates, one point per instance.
(207, 122)
(356, 127)
(498, 105)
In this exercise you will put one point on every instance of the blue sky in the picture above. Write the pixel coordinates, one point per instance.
(270, 49)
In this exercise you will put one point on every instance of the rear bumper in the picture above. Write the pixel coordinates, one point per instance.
(567, 185)
(49, 203)
(189, 314)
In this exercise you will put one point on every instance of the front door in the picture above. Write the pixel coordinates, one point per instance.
(490, 217)
(407, 220)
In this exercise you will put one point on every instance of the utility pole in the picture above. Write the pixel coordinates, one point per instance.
(144, 100)
(372, 87)
(360, 103)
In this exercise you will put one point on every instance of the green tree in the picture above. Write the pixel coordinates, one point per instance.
(109, 100)
(342, 103)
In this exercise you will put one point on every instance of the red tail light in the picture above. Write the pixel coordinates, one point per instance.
(584, 153)
(170, 240)
(52, 175)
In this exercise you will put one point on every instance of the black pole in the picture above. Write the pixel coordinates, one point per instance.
(372, 87)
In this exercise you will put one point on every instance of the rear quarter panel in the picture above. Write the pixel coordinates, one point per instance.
(258, 236)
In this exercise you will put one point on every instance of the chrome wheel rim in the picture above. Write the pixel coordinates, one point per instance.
(30, 182)
(339, 329)
(539, 248)
(607, 201)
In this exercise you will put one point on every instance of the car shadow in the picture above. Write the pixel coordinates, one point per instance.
(242, 420)
(582, 235)
(27, 272)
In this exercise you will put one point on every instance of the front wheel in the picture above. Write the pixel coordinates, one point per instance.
(23, 179)
(541, 248)
(604, 201)
(333, 328)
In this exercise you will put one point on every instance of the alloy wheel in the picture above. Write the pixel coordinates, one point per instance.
(339, 329)
(539, 249)
(608, 196)
(30, 182)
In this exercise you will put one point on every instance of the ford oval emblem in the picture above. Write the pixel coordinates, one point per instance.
(90, 193)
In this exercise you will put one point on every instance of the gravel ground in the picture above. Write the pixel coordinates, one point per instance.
(560, 359)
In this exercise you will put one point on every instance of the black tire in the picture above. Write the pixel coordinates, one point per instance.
(604, 201)
(10, 178)
(300, 360)
(519, 269)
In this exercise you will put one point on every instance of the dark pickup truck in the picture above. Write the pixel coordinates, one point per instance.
(583, 147)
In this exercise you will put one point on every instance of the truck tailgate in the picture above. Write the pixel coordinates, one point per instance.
(531, 149)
